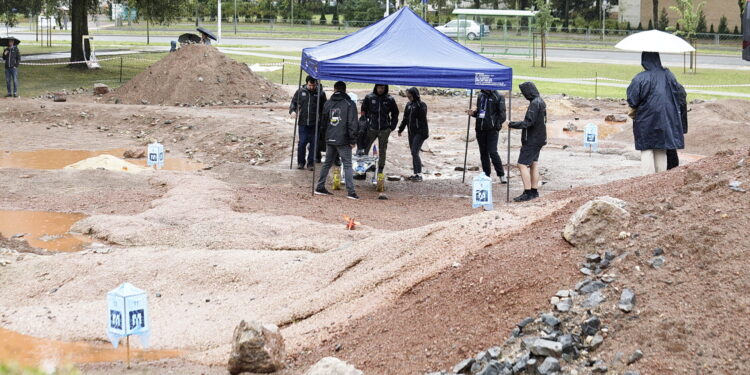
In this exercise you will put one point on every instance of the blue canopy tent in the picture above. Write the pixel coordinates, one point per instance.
(403, 49)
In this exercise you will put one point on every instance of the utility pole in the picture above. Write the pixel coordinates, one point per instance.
(235, 17)
(218, 20)
(603, 21)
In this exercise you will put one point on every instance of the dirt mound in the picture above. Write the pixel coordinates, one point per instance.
(107, 162)
(688, 311)
(713, 127)
(197, 75)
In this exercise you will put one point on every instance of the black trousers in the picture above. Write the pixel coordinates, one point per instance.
(415, 144)
(487, 140)
(673, 161)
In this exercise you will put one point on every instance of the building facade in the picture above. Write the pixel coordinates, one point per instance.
(642, 11)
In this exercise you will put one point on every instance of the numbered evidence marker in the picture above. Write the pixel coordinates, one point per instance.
(155, 155)
(591, 137)
(481, 192)
(127, 309)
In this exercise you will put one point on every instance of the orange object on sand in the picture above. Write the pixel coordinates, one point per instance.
(350, 223)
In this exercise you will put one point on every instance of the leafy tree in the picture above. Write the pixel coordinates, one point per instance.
(654, 14)
(736, 29)
(701, 28)
(79, 14)
(157, 11)
(640, 26)
(362, 10)
(663, 19)
(650, 25)
(544, 20)
(712, 29)
(723, 28)
(689, 15)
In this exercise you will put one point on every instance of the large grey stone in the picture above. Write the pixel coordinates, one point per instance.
(256, 347)
(332, 366)
(596, 222)
(657, 262)
(594, 300)
(546, 348)
(627, 300)
(492, 368)
(591, 286)
(637, 355)
(549, 366)
(590, 326)
(550, 320)
(464, 366)
(596, 342)
(564, 305)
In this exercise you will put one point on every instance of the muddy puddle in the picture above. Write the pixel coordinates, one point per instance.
(32, 351)
(559, 128)
(44, 230)
(58, 159)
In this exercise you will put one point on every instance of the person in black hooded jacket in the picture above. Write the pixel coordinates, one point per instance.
(533, 138)
(490, 115)
(673, 160)
(658, 126)
(381, 112)
(415, 122)
(306, 106)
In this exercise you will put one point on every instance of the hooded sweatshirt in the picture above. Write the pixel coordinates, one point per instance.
(655, 94)
(305, 103)
(490, 112)
(381, 111)
(534, 123)
(340, 120)
(415, 116)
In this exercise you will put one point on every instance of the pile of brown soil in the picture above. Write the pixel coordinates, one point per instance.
(690, 313)
(197, 75)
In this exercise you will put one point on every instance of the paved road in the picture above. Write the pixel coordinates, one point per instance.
(553, 54)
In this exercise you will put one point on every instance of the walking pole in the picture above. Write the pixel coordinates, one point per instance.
(315, 141)
(468, 125)
(510, 113)
(296, 116)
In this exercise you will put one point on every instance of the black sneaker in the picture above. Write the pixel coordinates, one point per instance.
(416, 178)
(300, 166)
(15, 95)
(503, 179)
(526, 196)
(337, 162)
(310, 167)
(322, 191)
(352, 196)
(535, 193)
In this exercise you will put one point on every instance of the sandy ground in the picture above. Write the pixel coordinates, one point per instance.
(244, 239)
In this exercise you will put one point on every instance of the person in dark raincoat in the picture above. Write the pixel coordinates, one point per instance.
(307, 108)
(415, 122)
(490, 115)
(657, 126)
(673, 160)
(381, 112)
(533, 138)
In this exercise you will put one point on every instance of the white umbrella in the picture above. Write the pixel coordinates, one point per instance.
(654, 41)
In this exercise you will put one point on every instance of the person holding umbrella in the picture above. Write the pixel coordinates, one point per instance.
(206, 36)
(656, 99)
(11, 57)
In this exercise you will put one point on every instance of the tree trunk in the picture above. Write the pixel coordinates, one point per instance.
(655, 14)
(477, 4)
(79, 28)
(566, 22)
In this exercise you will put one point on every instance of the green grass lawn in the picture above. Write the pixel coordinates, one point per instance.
(37, 80)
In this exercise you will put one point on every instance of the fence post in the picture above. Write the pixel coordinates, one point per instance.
(120, 69)
(283, 66)
(596, 85)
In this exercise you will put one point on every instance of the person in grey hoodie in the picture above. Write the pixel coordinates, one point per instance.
(339, 117)
(12, 58)
(533, 138)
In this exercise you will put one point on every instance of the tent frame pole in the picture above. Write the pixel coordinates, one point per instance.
(507, 163)
(315, 141)
(468, 125)
(296, 117)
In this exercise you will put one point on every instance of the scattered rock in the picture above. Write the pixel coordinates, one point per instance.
(591, 326)
(596, 221)
(564, 305)
(473, 169)
(735, 186)
(100, 89)
(616, 118)
(549, 366)
(658, 251)
(594, 300)
(525, 322)
(596, 342)
(382, 197)
(394, 178)
(637, 355)
(144, 101)
(464, 366)
(59, 98)
(134, 154)
(599, 367)
(256, 348)
(587, 286)
(627, 300)
(657, 262)
(459, 169)
(332, 366)
(550, 320)
(545, 348)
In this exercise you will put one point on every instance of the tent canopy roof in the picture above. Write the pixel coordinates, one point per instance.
(402, 49)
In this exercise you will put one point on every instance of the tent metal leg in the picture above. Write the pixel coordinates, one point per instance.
(507, 163)
(317, 127)
(296, 116)
(468, 125)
